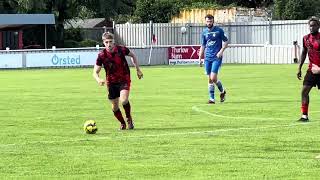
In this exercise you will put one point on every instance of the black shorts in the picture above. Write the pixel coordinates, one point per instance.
(115, 88)
(311, 79)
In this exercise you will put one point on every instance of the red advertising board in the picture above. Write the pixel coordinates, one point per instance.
(181, 55)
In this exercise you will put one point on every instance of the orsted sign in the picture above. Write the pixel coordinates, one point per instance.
(61, 59)
(66, 60)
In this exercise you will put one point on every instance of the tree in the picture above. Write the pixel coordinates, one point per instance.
(246, 3)
(109, 9)
(299, 9)
(279, 7)
(159, 11)
(7, 6)
(294, 10)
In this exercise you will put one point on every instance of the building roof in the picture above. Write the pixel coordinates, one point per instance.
(86, 23)
(16, 20)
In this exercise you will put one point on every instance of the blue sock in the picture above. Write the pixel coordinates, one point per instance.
(211, 91)
(220, 87)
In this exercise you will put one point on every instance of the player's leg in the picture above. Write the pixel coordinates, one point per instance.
(208, 67)
(114, 94)
(305, 102)
(214, 77)
(124, 99)
(308, 82)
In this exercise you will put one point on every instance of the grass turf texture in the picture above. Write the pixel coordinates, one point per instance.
(253, 135)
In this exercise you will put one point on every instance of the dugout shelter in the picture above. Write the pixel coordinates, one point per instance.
(12, 26)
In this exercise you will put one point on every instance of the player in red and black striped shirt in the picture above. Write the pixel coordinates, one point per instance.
(118, 81)
(311, 46)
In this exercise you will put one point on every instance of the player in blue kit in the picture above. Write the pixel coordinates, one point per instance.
(213, 44)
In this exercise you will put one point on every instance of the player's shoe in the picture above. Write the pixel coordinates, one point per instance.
(223, 96)
(211, 101)
(302, 119)
(130, 123)
(123, 127)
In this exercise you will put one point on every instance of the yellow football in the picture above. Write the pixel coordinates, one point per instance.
(90, 127)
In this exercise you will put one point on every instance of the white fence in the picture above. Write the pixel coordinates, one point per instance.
(77, 57)
(261, 32)
(259, 54)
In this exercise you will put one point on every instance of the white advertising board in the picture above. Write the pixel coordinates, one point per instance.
(61, 59)
(10, 60)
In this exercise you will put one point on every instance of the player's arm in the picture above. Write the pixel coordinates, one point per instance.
(201, 51)
(296, 51)
(202, 48)
(96, 71)
(315, 69)
(224, 47)
(225, 43)
(134, 61)
(302, 59)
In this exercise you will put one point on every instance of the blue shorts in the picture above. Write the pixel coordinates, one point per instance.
(212, 66)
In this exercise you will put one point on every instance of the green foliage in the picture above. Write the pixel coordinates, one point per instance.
(203, 5)
(279, 7)
(206, 5)
(109, 9)
(31, 6)
(124, 18)
(8, 6)
(86, 13)
(69, 43)
(163, 10)
(296, 9)
(88, 43)
(159, 11)
(74, 34)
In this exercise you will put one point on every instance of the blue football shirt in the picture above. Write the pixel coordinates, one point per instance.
(211, 40)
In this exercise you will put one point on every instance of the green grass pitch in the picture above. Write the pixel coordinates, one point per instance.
(253, 135)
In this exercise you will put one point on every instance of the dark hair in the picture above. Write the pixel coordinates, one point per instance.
(315, 19)
(209, 16)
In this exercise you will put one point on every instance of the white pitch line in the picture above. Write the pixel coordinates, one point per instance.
(196, 108)
(215, 132)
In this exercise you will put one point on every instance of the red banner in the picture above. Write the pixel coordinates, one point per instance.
(183, 55)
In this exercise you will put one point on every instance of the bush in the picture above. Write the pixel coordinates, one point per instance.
(71, 43)
(158, 11)
(88, 43)
(73, 33)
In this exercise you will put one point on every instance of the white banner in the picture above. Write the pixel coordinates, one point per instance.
(10, 60)
(183, 61)
(61, 59)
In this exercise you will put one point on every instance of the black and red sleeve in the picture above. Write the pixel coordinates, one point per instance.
(125, 50)
(99, 60)
(304, 42)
